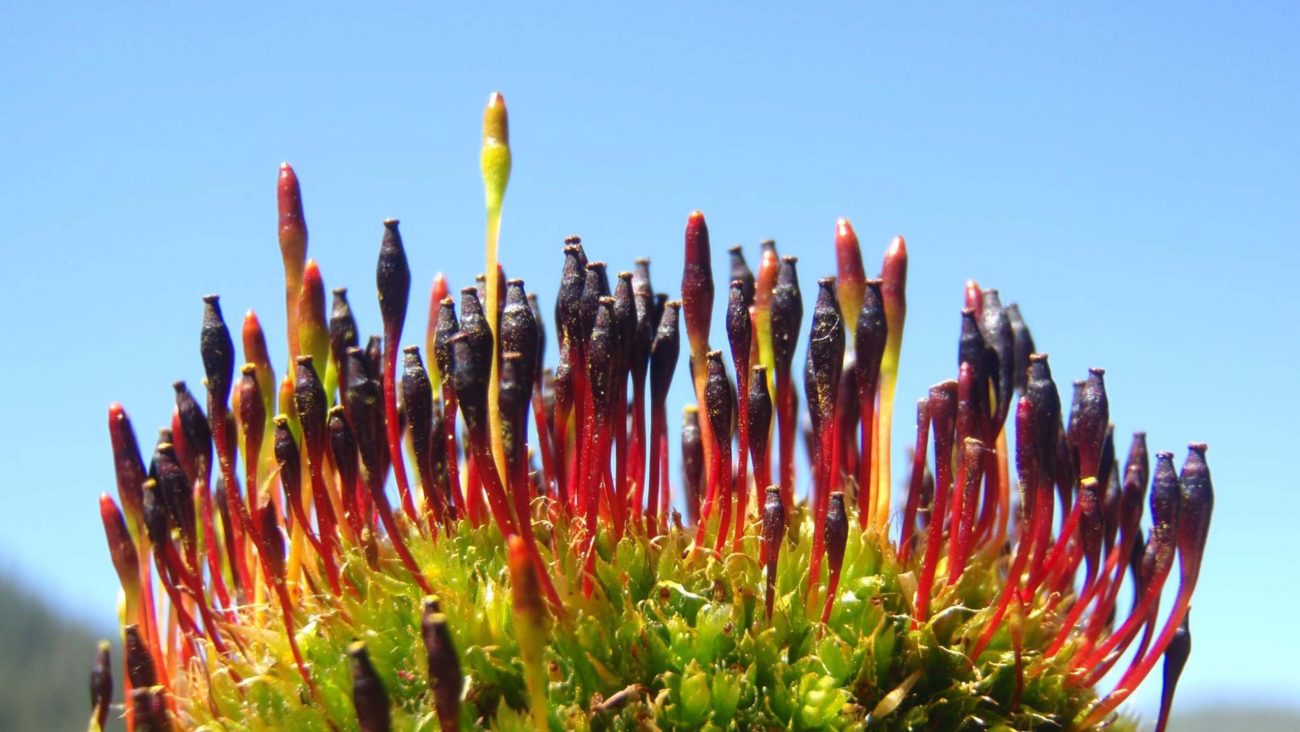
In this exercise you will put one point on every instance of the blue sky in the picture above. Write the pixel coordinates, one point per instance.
(1127, 174)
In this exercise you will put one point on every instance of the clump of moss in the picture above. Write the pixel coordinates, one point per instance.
(539, 581)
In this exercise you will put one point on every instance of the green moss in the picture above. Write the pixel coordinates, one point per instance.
(687, 634)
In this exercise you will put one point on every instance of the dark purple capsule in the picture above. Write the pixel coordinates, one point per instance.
(368, 695)
(1091, 526)
(218, 352)
(740, 329)
(1088, 428)
(836, 532)
(196, 434)
(774, 520)
(1022, 345)
(600, 355)
(285, 449)
(1106, 462)
(1042, 393)
(535, 308)
(393, 278)
(417, 401)
(149, 709)
(101, 684)
(665, 352)
(595, 286)
(1176, 654)
(740, 272)
(252, 410)
(154, 512)
(474, 326)
(446, 327)
(1111, 507)
(718, 399)
(312, 405)
(787, 313)
(1138, 459)
(342, 330)
(568, 301)
(177, 497)
(623, 323)
(658, 305)
(759, 404)
(995, 326)
(445, 678)
(973, 350)
(692, 463)
(825, 354)
(516, 388)
(365, 410)
(470, 379)
(272, 541)
(1195, 507)
(1166, 499)
(375, 357)
(139, 662)
(520, 331)
(870, 336)
(343, 449)
(643, 298)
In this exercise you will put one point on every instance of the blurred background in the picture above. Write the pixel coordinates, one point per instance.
(1127, 174)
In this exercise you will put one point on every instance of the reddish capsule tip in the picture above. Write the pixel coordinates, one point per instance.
(496, 123)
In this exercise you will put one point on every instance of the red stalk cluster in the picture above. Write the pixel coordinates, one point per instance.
(316, 460)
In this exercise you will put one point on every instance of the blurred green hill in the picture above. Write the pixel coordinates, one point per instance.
(45, 664)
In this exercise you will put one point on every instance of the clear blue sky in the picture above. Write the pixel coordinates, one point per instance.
(1129, 175)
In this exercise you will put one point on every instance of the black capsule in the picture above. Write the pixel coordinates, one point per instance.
(741, 272)
(825, 354)
(393, 278)
(470, 380)
(995, 327)
(1196, 505)
(836, 531)
(342, 330)
(600, 355)
(740, 329)
(568, 301)
(365, 411)
(595, 286)
(177, 497)
(148, 709)
(535, 307)
(759, 404)
(139, 662)
(692, 462)
(718, 398)
(787, 313)
(870, 336)
(665, 352)
(196, 433)
(1022, 345)
(368, 695)
(417, 400)
(101, 684)
(520, 331)
(218, 352)
(446, 327)
(312, 404)
(445, 678)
